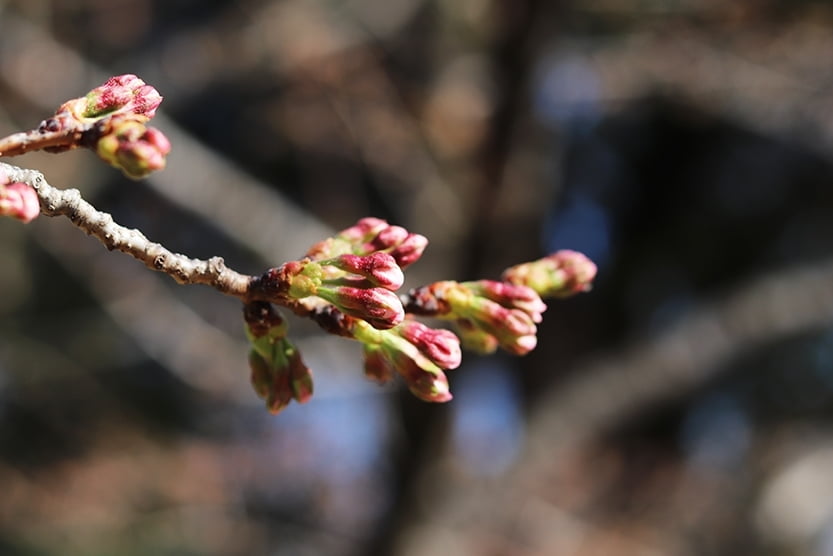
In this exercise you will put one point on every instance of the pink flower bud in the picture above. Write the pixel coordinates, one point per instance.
(410, 250)
(388, 237)
(379, 307)
(510, 296)
(475, 339)
(18, 200)
(425, 381)
(441, 346)
(132, 147)
(406, 248)
(560, 274)
(379, 268)
(124, 94)
(363, 230)
(513, 328)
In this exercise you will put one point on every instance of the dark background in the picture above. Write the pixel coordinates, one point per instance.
(682, 407)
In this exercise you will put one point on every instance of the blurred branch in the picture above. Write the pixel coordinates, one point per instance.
(784, 96)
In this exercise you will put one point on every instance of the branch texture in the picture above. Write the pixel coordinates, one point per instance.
(183, 269)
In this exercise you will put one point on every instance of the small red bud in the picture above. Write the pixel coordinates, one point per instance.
(441, 346)
(379, 268)
(18, 200)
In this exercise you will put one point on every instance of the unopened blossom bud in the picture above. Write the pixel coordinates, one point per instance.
(300, 376)
(424, 379)
(18, 200)
(280, 376)
(377, 367)
(510, 296)
(441, 346)
(514, 328)
(560, 274)
(475, 339)
(132, 147)
(363, 230)
(380, 269)
(124, 94)
(410, 250)
(379, 307)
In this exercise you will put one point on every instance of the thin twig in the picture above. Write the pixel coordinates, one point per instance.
(185, 270)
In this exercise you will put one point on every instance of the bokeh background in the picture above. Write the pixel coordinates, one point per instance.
(683, 407)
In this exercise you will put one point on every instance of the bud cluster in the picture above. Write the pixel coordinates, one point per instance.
(373, 235)
(562, 274)
(111, 120)
(278, 373)
(361, 286)
(414, 351)
(486, 313)
(18, 200)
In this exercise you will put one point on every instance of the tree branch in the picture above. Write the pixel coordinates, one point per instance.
(185, 270)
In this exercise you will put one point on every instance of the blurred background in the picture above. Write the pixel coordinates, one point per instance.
(683, 407)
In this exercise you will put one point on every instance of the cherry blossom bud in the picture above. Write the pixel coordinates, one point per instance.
(270, 384)
(381, 308)
(560, 274)
(124, 94)
(363, 230)
(410, 250)
(514, 328)
(441, 346)
(300, 376)
(475, 339)
(386, 351)
(380, 269)
(278, 373)
(424, 379)
(18, 200)
(377, 367)
(132, 147)
(510, 296)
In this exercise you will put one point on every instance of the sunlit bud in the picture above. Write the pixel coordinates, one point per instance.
(129, 145)
(19, 201)
(475, 339)
(377, 367)
(410, 250)
(381, 308)
(441, 346)
(328, 248)
(388, 237)
(124, 94)
(428, 301)
(510, 296)
(514, 328)
(424, 379)
(560, 274)
(380, 269)
(363, 230)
